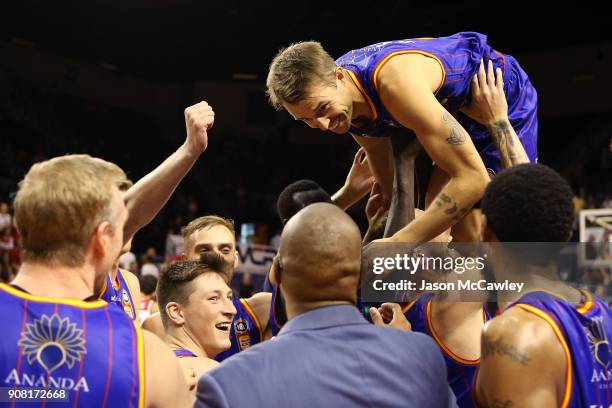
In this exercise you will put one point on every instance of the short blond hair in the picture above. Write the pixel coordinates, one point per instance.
(207, 221)
(61, 202)
(295, 69)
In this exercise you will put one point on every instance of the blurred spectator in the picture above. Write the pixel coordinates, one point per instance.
(128, 262)
(5, 217)
(579, 201)
(174, 240)
(148, 264)
(7, 244)
(148, 302)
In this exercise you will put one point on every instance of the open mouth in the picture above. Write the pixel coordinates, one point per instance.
(225, 326)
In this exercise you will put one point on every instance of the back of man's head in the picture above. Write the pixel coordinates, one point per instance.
(60, 203)
(174, 284)
(320, 255)
(298, 195)
(529, 203)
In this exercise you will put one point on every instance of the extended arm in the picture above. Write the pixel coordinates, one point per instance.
(145, 198)
(411, 101)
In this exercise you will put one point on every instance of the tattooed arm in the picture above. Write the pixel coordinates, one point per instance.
(411, 101)
(522, 363)
(490, 108)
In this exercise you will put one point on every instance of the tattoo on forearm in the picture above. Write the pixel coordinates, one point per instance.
(504, 137)
(504, 349)
(452, 208)
(456, 134)
(502, 404)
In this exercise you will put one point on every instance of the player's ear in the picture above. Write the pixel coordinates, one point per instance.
(276, 271)
(100, 241)
(236, 259)
(487, 235)
(175, 314)
(339, 73)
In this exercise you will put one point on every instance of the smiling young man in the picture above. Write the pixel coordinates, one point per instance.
(196, 309)
(215, 234)
(416, 84)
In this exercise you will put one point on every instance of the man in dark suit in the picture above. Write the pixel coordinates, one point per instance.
(328, 354)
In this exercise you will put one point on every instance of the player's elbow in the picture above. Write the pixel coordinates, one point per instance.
(474, 184)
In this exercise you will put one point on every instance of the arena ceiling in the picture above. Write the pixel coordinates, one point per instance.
(179, 40)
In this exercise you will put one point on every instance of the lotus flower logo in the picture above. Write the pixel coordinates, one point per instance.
(53, 342)
(598, 342)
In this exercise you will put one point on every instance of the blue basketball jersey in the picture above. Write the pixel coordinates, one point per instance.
(461, 372)
(119, 293)
(584, 332)
(245, 330)
(90, 349)
(459, 57)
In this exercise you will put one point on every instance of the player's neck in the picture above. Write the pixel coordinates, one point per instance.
(114, 271)
(178, 338)
(294, 309)
(56, 281)
(361, 108)
(535, 278)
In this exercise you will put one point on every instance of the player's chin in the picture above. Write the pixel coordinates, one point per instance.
(340, 129)
(223, 343)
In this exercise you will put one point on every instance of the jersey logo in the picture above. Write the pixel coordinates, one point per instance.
(126, 303)
(241, 328)
(598, 341)
(52, 342)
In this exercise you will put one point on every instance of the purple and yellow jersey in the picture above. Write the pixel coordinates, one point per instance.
(461, 372)
(119, 293)
(584, 332)
(245, 331)
(87, 347)
(180, 353)
(459, 58)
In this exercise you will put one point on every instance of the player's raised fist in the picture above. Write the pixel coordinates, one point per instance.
(199, 118)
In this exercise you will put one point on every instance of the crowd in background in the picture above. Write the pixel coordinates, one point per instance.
(36, 124)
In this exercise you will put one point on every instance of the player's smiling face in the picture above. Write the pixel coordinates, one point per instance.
(326, 108)
(209, 313)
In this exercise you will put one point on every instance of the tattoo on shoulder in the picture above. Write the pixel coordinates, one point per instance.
(504, 349)
(502, 404)
(456, 135)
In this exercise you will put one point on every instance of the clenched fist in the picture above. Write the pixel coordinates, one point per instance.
(199, 118)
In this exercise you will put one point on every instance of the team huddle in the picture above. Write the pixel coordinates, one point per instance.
(447, 129)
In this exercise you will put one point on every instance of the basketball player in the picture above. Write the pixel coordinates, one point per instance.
(56, 333)
(122, 287)
(551, 345)
(454, 324)
(196, 309)
(215, 234)
(412, 84)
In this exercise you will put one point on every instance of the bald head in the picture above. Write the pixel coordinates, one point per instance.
(320, 255)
